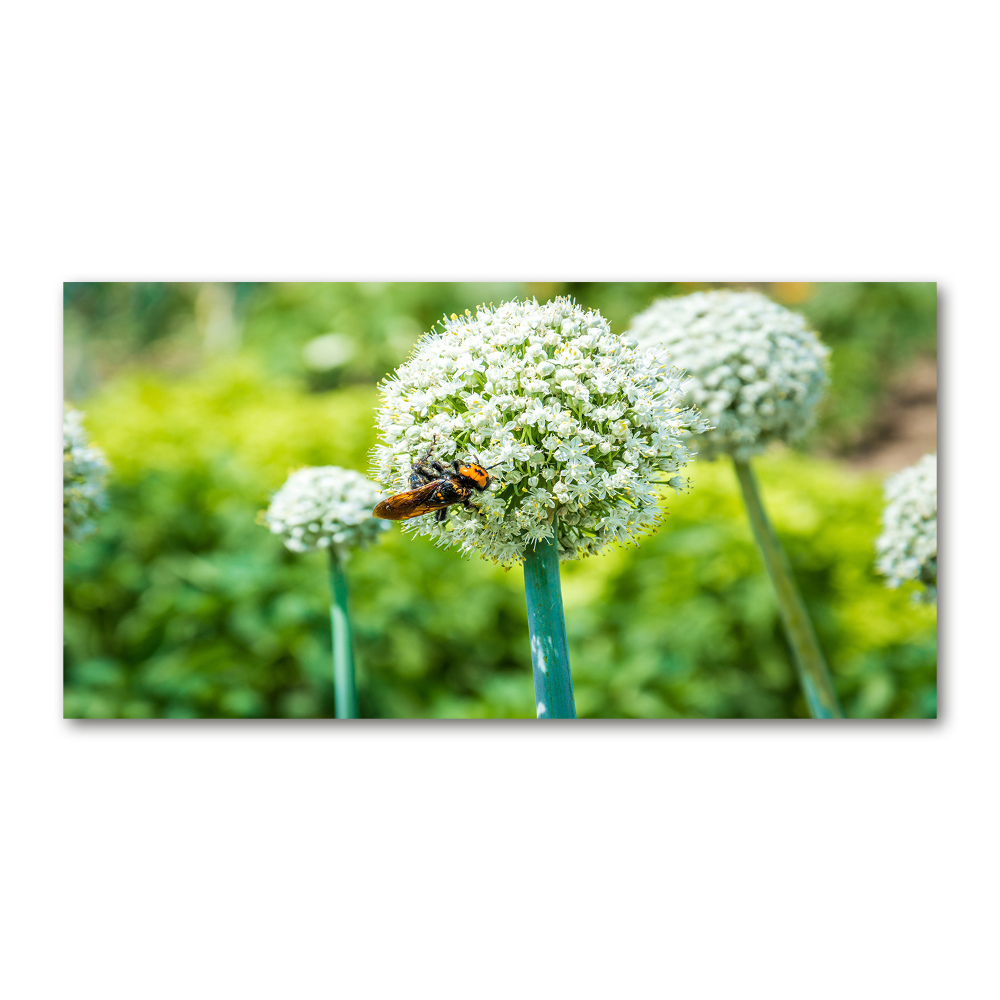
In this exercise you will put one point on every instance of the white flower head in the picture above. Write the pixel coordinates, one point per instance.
(84, 473)
(757, 370)
(579, 423)
(907, 548)
(325, 506)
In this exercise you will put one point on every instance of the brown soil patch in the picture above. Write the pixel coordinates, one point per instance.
(906, 427)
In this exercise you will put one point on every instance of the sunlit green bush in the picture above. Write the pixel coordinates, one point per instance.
(181, 605)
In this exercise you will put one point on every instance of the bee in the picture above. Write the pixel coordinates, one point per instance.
(434, 486)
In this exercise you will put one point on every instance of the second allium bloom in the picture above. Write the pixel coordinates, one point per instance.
(325, 505)
(757, 369)
(579, 422)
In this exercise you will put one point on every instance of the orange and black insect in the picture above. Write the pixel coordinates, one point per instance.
(434, 486)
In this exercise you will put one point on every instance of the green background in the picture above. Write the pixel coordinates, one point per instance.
(205, 396)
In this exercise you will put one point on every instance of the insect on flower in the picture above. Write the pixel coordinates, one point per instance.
(434, 486)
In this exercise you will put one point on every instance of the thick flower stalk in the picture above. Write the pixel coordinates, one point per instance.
(581, 425)
(84, 474)
(907, 548)
(757, 372)
(330, 508)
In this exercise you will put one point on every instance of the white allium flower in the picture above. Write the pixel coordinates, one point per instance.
(907, 547)
(578, 420)
(323, 506)
(84, 473)
(757, 369)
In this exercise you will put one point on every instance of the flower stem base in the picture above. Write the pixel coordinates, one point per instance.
(547, 630)
(344, 689)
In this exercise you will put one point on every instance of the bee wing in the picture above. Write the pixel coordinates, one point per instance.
(412, 503)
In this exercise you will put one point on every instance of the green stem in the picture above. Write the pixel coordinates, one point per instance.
(814, 676)
(345, 692)
(547, 630)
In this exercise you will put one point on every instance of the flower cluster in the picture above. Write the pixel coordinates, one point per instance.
(757, 369)
(324, 506)
(84, 472)
(907, 547)
(580, 422)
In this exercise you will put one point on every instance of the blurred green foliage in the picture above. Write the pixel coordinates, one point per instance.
(182, 606)
(327, 335)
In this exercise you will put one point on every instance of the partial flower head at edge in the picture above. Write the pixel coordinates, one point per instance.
(907, 547)
(85, 471)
